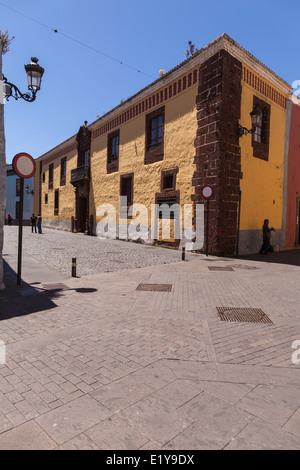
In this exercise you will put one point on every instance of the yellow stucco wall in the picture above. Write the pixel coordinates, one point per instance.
(262, 190)
(66, 192)
(179, 151)
(261, 183)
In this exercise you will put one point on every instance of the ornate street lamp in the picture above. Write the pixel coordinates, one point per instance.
(34, 77)
(255, 117)
(28, 190)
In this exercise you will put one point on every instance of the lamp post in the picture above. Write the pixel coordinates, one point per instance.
(2, 175)
(7, 89)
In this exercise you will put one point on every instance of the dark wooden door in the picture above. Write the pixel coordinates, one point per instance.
(82, 216)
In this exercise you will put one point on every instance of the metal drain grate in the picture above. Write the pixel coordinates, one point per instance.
(220, 268)
(244, 266)
(154, 287)
(243, 315)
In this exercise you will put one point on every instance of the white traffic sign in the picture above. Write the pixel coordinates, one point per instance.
(207, 191)
(24, 165)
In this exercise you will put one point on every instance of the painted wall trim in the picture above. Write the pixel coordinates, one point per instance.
(285, 173)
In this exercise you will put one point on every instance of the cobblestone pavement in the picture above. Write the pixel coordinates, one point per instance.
(93, 363)
(57, 248)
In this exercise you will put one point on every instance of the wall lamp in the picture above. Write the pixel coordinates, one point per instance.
(255, 117)
(27, 190)
(34, 77)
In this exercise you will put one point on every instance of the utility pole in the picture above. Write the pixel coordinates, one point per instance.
(2, 173)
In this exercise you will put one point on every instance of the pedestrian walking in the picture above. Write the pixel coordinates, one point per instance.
(266, 246)
(9, 219)
(39, 223)
(33, 221)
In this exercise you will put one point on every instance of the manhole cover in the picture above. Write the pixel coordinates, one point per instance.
(220, 268)
(155, 287)
(243, 266)
(242, 315)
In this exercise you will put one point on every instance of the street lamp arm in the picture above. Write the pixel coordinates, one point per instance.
(16, 93)
(244, 131)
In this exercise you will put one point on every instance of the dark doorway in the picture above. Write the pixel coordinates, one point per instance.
(82, 214)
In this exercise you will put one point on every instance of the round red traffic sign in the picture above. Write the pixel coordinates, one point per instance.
(24, 165)
(207, 191)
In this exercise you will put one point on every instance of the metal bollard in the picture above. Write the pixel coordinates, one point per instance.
(73, 267)
(183, 254)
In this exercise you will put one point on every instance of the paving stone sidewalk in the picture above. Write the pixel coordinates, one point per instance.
(93, 363)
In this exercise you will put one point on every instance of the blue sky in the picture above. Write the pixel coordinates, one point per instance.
(80, 83)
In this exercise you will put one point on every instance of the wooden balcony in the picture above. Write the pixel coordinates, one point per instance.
(79, 175)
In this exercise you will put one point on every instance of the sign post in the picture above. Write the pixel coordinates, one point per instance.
(207, 192)
(24, 167)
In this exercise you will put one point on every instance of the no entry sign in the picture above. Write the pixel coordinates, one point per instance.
(207, 191)
(24, 165)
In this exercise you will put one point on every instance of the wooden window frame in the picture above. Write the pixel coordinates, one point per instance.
(172, 199)
(122, 178)
(51, 171)
(167, 174)
(18, 187)
(112, 165)
(164, 198)
(261, 149)
(154, 153)
(63, 176)
(17, 209)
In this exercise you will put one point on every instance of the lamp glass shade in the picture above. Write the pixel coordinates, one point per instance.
(34, 74)
(255, 117)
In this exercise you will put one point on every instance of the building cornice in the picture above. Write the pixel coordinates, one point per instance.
(223, 42)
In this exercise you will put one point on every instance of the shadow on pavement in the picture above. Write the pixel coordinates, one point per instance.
(22, 300)
(291, 257)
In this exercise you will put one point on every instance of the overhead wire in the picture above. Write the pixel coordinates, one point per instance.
(92, 48)
(56, 31)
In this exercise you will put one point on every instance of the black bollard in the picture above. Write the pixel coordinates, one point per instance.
(183, 253)
(73, 267)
